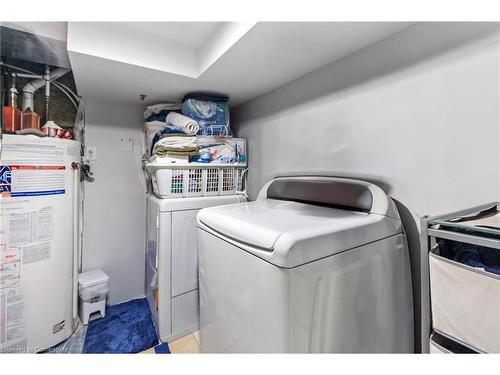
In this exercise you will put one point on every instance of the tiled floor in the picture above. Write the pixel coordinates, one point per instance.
(148, 351)
(74, 344)
(189, 344)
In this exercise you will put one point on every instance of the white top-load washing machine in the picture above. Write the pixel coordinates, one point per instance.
(315, 264)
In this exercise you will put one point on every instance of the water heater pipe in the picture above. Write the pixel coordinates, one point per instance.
(30, 88)
(76, 250)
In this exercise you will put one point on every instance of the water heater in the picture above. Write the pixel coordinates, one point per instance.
(39, 228)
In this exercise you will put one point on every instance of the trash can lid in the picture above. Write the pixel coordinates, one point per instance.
(90, 278)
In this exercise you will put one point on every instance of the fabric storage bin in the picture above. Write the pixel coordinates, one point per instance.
(465, 301)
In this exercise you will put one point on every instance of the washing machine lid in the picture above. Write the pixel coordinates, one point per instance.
(288, 233)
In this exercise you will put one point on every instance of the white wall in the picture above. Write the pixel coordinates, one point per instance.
(417, 113)
(431, 123)
(114, 203)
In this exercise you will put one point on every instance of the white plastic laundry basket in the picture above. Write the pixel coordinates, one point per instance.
(175, 182)
(465, 303)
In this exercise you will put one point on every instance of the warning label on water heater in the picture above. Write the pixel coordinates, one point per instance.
(31, 180)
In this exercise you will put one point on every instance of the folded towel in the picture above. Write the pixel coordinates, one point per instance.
(176, 144)
(188, 125)
(151, 128)
(177, 141)
(154, 126)
(181, 153)
(166, 131)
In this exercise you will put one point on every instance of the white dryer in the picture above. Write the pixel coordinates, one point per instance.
(315, 264)
(171, 284)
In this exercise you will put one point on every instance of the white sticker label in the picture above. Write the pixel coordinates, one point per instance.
(12, 320)
(42, 224)
(19, 224)
(40, 152)
(32, 180)
(26, 226)
(10, 266)
(36, 252)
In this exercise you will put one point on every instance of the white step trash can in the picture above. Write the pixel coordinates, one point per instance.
(93, 287)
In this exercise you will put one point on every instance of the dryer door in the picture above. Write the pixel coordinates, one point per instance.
(184, 252)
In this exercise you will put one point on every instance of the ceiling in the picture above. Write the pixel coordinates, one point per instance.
(192, 34)
(53, 30)
(119, 61)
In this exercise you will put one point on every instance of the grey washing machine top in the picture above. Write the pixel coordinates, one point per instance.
(346, 195)
(289, 233)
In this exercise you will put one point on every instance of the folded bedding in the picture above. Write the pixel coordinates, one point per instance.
(154, 126)
(176, 145)
(193, 153)
(186, 124)
(166, 131)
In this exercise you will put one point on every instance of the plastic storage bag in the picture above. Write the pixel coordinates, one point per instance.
(211, 113)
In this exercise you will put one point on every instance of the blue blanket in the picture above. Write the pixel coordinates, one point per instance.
(488, 259)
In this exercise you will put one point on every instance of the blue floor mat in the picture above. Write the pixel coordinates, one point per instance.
(162, 349)
(126, 328)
